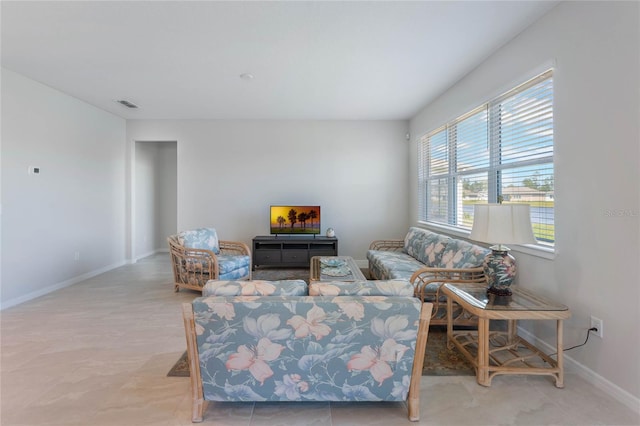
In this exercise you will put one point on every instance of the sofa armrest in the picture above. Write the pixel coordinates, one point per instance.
(425, 276)
(387, 245)
(422, 279)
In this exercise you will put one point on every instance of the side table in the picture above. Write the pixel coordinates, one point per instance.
(499, 352)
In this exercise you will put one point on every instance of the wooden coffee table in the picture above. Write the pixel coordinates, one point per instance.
(499, 352)
(320, 272)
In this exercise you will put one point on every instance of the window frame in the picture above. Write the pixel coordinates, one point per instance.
(455, 177)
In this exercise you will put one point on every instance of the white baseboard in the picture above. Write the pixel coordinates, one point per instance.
(150, 253)
(35, 294)
(587, 374)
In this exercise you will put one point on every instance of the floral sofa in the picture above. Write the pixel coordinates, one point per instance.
(198, 256)
(271, 341)
(428, 259)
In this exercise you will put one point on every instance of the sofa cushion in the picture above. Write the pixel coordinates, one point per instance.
(394, 264)
(462, 254)
(235, 274)
(201, 238)
(425, 246)
(255, 288)
(290, 348)
(362, 288)
(413, 241)
(228, 263)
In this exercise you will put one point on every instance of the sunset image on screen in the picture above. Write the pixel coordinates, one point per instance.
(295, 220)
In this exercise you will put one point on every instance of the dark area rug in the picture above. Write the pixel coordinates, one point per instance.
(274, 274)
(440, 361)
(180, 368)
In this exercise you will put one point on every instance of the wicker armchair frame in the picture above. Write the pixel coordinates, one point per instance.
(425, 276)
(203, 263)
(387, 245)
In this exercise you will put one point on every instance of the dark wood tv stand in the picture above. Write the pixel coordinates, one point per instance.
(269, 250)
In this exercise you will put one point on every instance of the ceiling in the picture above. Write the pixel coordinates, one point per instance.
(310, 60)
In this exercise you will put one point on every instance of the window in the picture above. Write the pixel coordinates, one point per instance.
(502, 150)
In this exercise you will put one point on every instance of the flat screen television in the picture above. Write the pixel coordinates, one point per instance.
(294, 220)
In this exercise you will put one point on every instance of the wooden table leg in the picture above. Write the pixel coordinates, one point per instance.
(483, 352)
(449, 323)
(560, 348)
(512, 331)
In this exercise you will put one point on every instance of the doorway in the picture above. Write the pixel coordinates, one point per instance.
(155, 196)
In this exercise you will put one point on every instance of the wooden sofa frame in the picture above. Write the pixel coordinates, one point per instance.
(199, 405)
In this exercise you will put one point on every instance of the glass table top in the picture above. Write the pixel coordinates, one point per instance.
(335, 268)
(521, 300)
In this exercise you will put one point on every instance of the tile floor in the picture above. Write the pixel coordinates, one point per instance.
(97, 353)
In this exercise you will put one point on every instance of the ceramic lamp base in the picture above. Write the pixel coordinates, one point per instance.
(500, 270)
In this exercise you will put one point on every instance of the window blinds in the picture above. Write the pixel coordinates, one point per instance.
(502, 150)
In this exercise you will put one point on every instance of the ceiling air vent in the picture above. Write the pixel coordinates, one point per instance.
(127, 103)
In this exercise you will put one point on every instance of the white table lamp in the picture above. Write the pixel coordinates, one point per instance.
(501, 224)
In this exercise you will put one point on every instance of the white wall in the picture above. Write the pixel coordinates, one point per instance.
(229, 172)
(156, 209)
(75, 205)
(595, 47)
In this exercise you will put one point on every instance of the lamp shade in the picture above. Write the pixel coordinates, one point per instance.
(502, 224)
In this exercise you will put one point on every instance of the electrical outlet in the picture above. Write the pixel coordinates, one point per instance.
(76, 256)
(597, 323)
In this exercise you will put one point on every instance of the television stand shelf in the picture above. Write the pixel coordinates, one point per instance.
(280, 250)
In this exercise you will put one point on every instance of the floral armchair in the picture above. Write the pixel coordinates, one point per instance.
(198, 256)
(304, 348)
